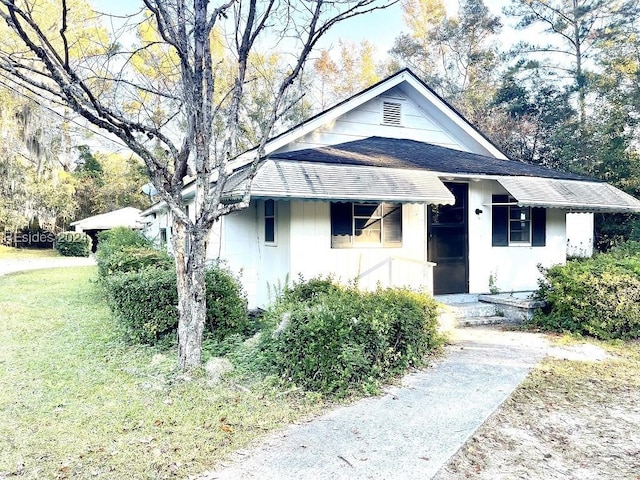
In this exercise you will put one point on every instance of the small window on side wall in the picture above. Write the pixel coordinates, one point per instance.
(270, 221)
(516, 225)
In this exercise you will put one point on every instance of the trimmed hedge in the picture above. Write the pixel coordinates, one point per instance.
(598, 296)
(73, 244)
(132, 259)
(145, 303)
(113, 241)
(336, 339)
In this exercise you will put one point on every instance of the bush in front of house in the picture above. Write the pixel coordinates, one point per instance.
(131, 259)
(599, 296)
(73, 244)
(227, 312)
(340, 339)
(145, 303)
(115, 240)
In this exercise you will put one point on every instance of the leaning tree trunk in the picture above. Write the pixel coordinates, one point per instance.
(192, 303)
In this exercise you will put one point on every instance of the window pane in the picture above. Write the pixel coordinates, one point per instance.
(269, 208)
(367, 230)
(269, 229)
(519, 213)
(366, 210)
(519, 231)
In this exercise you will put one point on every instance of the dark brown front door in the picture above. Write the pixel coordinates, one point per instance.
(448, 243)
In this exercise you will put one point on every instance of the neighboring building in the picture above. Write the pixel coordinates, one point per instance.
(394, 187)
(124, 217)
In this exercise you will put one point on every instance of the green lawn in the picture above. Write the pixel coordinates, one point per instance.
(76, 402)
(12, 253)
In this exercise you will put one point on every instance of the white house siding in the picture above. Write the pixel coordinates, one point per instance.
(273, 258)
(512, 268)
(580, 234)
(366, 121)
(239, 249)
(312, 255)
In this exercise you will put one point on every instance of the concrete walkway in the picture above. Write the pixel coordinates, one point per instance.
(411, 431)
(14, 265)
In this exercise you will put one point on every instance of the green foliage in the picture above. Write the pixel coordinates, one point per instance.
(115, 240)
(73, 244)
(144, 303)
(226, 304)
(144, 299)
(131, 259)
(598, 296)
(337, 340)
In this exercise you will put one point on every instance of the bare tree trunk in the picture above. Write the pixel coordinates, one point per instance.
(192, 307)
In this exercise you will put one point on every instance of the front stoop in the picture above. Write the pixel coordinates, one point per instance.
(475, 310)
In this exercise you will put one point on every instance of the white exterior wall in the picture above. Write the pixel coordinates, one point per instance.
(513, 268)
(239, 249)
(312, 255)
(366, 121)
(580, 230)
(273, 257)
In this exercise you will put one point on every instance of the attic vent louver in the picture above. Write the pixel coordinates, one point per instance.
(391, 113)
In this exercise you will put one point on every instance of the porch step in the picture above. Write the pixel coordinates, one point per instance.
(470, 309)
(478, 321)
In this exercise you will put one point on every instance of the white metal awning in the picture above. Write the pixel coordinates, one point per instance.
(340, 182)
(573, 195)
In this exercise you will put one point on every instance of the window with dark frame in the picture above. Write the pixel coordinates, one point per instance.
(516, 225)
(366, 224)
(269, 221)
(163, 237)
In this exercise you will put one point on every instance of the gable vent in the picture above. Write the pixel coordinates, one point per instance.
(391, 113)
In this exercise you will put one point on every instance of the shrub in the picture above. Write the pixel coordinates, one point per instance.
(342, 339)
(145, 303)
(73, 244)
(131, 259)
(226, 304)
(598, 297)
(113, 241)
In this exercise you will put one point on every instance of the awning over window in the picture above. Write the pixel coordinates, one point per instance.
(317, 181)
(574, 195)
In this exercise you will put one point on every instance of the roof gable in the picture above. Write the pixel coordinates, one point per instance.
(410, 87)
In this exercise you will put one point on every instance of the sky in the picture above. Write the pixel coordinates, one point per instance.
(379, 27)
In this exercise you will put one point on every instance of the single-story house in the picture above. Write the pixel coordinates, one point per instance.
(394, 187)
(129, 217)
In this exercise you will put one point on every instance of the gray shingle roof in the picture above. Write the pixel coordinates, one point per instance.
(401, 153)
(569, 194)
(319, 181)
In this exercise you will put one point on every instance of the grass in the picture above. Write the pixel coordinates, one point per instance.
(77, 402)
(18, 253)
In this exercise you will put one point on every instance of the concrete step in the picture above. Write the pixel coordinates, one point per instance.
(478, 321)
(470, 309)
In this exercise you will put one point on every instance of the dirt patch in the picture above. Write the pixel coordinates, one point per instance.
(568, 420)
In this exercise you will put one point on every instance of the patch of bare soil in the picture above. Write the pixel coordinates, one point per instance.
(568, 420)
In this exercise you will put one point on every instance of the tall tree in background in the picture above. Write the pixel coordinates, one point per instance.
(570, 30)
(183, 140)
(458, 56)
(353, 70)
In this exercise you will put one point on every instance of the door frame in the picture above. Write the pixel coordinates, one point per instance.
(466, 236)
